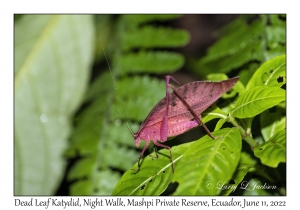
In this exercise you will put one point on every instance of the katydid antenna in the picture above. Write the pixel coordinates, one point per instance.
(118, 97)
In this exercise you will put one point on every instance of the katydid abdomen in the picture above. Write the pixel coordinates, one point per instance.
(180, 110)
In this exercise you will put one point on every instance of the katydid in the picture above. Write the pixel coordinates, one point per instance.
(179, 111)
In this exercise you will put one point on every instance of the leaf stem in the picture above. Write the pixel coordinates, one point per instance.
(245, 135)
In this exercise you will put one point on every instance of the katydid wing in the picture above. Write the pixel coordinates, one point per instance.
(179, 111)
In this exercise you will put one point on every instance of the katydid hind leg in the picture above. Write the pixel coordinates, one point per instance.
(197, 118)
(170, 77)
(164, 124)
(205, 128)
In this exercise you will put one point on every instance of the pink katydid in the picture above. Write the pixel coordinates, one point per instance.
(179, 111)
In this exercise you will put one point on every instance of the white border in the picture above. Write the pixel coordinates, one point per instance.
(8, 8)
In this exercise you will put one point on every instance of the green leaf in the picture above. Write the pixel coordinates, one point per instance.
(273, 152)
(53, 54)
(257, 100)
(211, 113)
(246, 164)
(220, 123)
(207, 162)
(154, 175)
(217, 77)
(151, 37)
(151, 62)
(271, 73)
(272, 121)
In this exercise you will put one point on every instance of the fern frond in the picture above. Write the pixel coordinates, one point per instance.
(100, 136)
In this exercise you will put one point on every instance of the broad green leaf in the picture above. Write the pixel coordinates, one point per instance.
(246, 164)
(151, 62)
(154, 175)
(208, 162)
(159, 37)
(271, 73)
(53, 54)
(273, 152)
(272, 121)
(256, 100)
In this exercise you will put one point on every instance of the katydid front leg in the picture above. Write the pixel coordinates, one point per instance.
(164, 124)
(141, 155)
